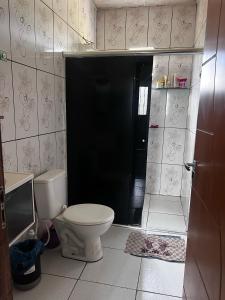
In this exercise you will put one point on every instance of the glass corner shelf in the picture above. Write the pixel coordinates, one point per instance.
(171, 88)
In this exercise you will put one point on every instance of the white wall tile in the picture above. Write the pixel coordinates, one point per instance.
(189, 146)
(22, 31)
(48, 2)
(193, 108)
(177, 108)
(137, 27)
(44, 37)
(173, 148)
(60, 45)
(61, 154)
(100, 27)
(60, 8)
(201, 15)
(25, 99)
(9, 156)
(73, 13)
(46, 103)
(155, 145)
(160, 68)
(87, 19)
(159, 32)
(153, 178)
(183, 26)
(171, 180)
(6, 102)
(181, 65)
(4, 25)
(196, 70)
(158, 108)
(73, 40)
(115, 29)
(47, 152)
(28, 155)
(60, 104)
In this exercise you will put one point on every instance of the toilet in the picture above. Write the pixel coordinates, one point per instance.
(79, 227)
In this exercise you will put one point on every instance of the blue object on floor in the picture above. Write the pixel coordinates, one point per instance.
(24, 254)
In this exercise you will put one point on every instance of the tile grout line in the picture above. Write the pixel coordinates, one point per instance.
(138, 280)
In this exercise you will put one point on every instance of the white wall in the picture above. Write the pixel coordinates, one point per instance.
(32, 81)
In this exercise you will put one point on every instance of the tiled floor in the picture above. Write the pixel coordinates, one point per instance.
(163, 213)
(118, 276)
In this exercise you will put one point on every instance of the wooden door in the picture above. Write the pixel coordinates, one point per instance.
(5, 275)
(205, 248)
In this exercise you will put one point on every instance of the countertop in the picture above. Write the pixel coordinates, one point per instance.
(15, 180)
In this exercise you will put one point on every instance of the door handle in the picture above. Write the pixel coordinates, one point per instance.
(189, 166)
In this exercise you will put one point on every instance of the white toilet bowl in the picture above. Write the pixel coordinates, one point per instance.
(79, 229)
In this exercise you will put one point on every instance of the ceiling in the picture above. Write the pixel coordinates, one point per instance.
(134, 3)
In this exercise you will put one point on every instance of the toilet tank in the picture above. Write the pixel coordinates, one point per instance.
(50, 193)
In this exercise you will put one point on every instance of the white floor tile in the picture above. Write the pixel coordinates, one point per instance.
(53, 263)
(150, 296)
(163, 205)
(146, 202)
(50, 287)
(116, 268)
(161, 197)
(166, 222)
(93, 291)
(116, 237)
(161, 277)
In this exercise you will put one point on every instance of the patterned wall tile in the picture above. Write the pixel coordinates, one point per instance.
(115, 29)
(193, 108)
(183, 26)
(47, 152)
(176, 108)
(25, 98)
(60, 45)
(100, 27)
(28, 155)
(155, 145)
(171, 180)
(201, 16)
(153, 177)
(60, 104)
(48, 2)
(73, 40)
(60, 8)
(189, 147)
(196, 69)
(46, 103)
(160, 68)
(181, 65)
(61, 154)
(44, 37)
(158, 108)
(73, 13)
(4, 25)
(91, 22)
(200, 38)
(22, 31)
(173, 149)
(9, 156)
(160, 18)
(6, 102)
(137, 27)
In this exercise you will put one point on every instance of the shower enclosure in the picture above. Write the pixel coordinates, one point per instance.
(108, 106)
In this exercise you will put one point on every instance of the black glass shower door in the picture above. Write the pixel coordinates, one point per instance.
(107, 129)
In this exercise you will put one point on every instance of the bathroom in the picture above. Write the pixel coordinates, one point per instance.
(39, 37)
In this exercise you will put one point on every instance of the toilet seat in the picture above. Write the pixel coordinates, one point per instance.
(88, 214)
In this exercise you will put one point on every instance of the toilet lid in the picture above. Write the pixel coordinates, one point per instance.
(88, 214)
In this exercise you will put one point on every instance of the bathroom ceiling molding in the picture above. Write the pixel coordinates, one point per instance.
(136, 3)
